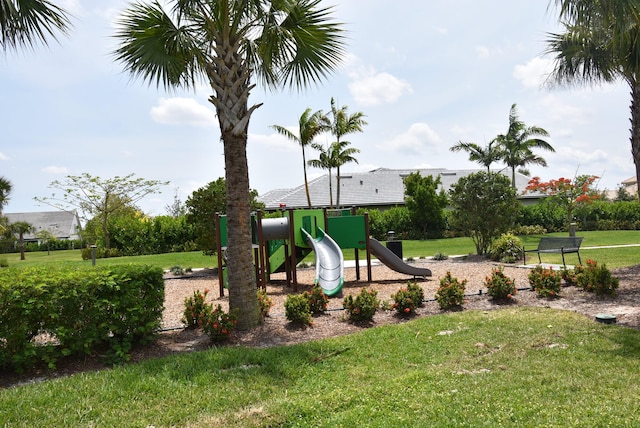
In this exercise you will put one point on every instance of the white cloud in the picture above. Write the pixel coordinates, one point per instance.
(482, 52)
(275, 142)
(183, 111)
(418, 136)
(371, 88)
(576, 156)
(57, 170)
(3, 156)
(533, 73)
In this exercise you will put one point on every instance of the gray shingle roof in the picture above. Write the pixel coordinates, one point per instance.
(381, 187)
(62, 224)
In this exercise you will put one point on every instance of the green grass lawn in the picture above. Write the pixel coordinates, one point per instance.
(511, 367)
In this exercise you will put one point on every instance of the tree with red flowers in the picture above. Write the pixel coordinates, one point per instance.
(567, 193)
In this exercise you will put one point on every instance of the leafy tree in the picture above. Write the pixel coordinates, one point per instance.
(484, 207)
(21, 228)
(310, 125)
(622, 194)
(570, 194)
(601, 43)
(202, 206)
(485, 156)
(23, 23)
(230, 44)
(47, 238)
(518, 143)
(425, 204)
(342, 124)
(5, 190)
(101, 198)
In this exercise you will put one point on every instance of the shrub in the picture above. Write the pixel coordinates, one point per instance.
(440, 256)
(219, 324)
(545, 282)
(507, 249)
(500, 286)
(451, 291)
(570, 276)
(196, 310)
(318, 301)
(297, 310)
(3, 262)
(597, 279)
(176, 270)
(265, 303)
(528, 230)
(407, 299)
(363, 307)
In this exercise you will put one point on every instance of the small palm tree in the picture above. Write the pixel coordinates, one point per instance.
(23, 23)
(21, 228)
(518, 143)
(483, 155)
(310, 125)
(232, 45)
(5, 190)
(343, 123)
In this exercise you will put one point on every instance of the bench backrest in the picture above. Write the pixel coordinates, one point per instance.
(552, 242)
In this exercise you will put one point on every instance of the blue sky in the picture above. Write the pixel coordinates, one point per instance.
(425, 74)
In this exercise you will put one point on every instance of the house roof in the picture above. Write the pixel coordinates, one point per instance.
(62, 224)
(380, 187)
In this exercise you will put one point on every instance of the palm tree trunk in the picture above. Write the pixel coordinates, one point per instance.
(306, 182)
(330, 191)
(338, 189)
(635, 131)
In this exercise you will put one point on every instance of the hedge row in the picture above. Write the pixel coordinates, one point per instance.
(47, 313)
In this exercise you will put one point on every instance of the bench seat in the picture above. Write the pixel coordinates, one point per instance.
(558, 245)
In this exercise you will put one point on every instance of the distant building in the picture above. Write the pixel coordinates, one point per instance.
(64, 225)
(381, 188)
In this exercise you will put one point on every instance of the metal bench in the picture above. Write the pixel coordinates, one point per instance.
(557, 245)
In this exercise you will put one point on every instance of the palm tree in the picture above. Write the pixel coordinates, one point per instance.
(483, 155)
(23, 23)
(231, 43)
(324, 161)
(601, 43)
(343, 123)
(518, 143)
(310, 126)
(5, 190)
(21, 228)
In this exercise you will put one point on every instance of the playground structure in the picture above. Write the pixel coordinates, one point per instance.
(280, 242)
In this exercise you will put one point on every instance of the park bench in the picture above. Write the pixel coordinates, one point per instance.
(559, 245)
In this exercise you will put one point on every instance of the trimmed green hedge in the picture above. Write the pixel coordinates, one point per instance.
(47, 313)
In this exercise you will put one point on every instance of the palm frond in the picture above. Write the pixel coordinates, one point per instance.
(24, 23)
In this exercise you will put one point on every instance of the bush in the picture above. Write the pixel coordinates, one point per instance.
(363, 307)
(440, 256)
(407, 299)
(528, 230)
(507, 249)
(318, 301)
(500, 286)
(545, 282)
(297, 309)
(219, 324)
(451, 292)
(570, 276)
(265, 303)
(196, 310)
(597, 279)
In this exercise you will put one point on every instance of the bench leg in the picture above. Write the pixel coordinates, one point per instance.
(579, 258)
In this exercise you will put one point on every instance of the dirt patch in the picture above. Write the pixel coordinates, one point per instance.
(276, 330)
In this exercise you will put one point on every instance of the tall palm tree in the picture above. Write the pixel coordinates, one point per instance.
(600, 43)
(518, 143)
(324, 161)
(310, 125)
(5, 190)
(23, 23)
(343, 123)
(483, 155)
(232, 44)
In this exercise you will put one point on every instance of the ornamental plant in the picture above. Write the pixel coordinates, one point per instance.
(265, 303)
(567, 193)
(500, 286)
(598, 279)
(545, 282)
(507, 249)
(196, 310)
(570, 276)
(407, 299)
(451, 291)
(363, 307)
(297, 309)
(220, 324)
(318, 301)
